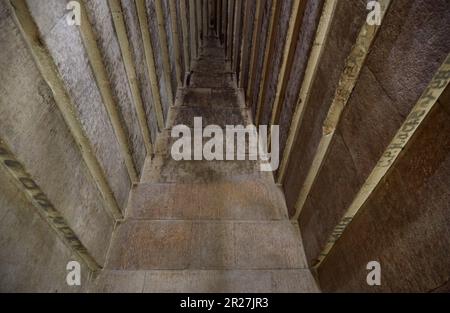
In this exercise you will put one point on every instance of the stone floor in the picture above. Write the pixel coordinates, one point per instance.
(199, 226)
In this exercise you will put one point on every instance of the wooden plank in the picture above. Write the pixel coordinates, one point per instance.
(193, 29)
(310, 76)
(270, 45)
(255, 49)
(349, 77)
(164, 50)
(205, 20)
(295, 24)
(199, 15)
(237, 29)
(412, 123)
(43, 205)
(244, 43)
(121, 31)
(150, 61)
(49, 72)
(185, 33)
(176, 42)
(230, 22)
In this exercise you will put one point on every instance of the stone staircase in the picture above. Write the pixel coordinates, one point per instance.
(199, 226)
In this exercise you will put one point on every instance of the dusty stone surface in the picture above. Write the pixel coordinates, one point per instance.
(66, 47)
(404, 225)
(32, 126)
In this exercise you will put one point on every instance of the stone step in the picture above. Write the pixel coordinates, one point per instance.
(206, 245)
(209, 98)
(248, 200)
(203, 78)
(201, 281)
(221, 116)
(164, 169)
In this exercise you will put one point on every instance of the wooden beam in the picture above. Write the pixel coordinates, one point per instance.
(43, 205)
(255, 49)
(50, 73)
(308, 80)
(237, 29)
(150, 62)
(268, 54)
(205, 19)
(230, 22)
(164, 50)
(121, 31)
(185, 32)
(412, 123)
(176, 42)
(224, 23)
(244, 43)
(193, 29)
(199, 14)
(295, 23)
(349, 77)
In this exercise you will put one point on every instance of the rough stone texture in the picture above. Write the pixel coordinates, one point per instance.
(275, 62)
(249, 37)
(104, 30)
(67, 49)
(219, 116)
(170, 40)
(154, 34)
(251, 200)
(373, 115)
(179, 245)
(206, 281)
(405, 223)
(34, 129)
(32, 257)
(343, 34)
(304, 44)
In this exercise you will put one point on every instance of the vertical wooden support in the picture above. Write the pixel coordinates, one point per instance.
(322, 32)
(244, 44)
(230, 23)
(255, 49)
(103, 83)
(164, 50)
(150, 61)
(176, 42)
(349, 77)
(412, 123)
(290, 46)
(270, 45)
(199, 11)
(237, 33)
(193, 29)
(185, 31)
(224, 38)
(50, 73)
(205, 20)
(119, 24)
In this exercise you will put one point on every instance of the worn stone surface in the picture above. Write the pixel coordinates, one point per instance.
(32, 257)
(177, 245)
(32, 126)
(206, 281)
(404, 224)
(248, 200)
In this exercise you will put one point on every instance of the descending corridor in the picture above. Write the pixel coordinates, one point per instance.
(200, 226)
(93, 199)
